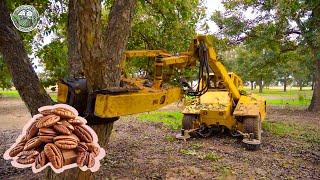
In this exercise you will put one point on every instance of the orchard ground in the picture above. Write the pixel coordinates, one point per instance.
(143, 146)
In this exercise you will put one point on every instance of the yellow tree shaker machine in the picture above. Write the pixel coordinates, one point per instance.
(218, 103)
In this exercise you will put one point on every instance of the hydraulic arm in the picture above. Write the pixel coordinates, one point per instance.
(109, 103)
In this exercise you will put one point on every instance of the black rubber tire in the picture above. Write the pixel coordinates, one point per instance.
(253, 125)
(188, 120)
(188, 123)
(252, 147)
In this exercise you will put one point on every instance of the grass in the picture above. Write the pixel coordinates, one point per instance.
(15, 94)
(278, 128)
(288, 102)
(292, 97)
(10, 93)
(189, 152)
(276, 91)
(212, 157)
(225, 171)
(196, 146)
(302, 132)
(171, 120)
(170, 138)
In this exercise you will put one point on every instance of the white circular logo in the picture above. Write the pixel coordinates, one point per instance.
(25, 18)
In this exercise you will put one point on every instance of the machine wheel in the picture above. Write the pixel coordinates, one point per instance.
(187, 122)
(252, 125)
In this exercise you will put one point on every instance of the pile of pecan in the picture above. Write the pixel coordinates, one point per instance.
(57, 136)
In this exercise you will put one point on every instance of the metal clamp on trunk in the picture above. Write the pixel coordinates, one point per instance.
(74, 93)
(91, 103)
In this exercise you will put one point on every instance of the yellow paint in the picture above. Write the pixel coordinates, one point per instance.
(252, 105)
(131, 103)
(215, 97)
(62, 93)
(175, 60)
(219, 111)
(145, 53)
(221, 71)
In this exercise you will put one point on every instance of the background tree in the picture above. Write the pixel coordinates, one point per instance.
(54, 57)
(303, 68)
(275, 21)
(163, 24)
(5, 77)
(19, 65)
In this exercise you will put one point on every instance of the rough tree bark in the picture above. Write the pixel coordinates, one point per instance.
(260, 84)
(117, 34)
(300, 82)
(285, 83)
(315, 101)
(100, 60)
(309, 34)
(75, 66)
(15, 56)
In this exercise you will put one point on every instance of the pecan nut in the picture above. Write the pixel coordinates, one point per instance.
(62, 129)
(24, 139)
(46, 135)
(77, 121)
(47, 132)
(17, 149)
(82, 159)
(41, 160)
(64, 113)
(46, 139)
(45, 110)
(85, 159)
(83, 134)
(82, 147)
(91, 161)
(54, 155)
(66, 124)
(32, 131)
(47, 121)
(27, 157)
(65, 142)
(93, 149)
(32, 143)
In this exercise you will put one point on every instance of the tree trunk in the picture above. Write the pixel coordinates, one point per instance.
(260, 85)
(300, 85)
(285, 83)
(15, 56)
(75, 66)
(117, 34)
(313, 44)
(251, 83)
(315, 101)
(100, 63)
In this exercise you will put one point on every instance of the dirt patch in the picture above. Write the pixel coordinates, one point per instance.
(145, 150)
(13, 113)
(293, 115)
